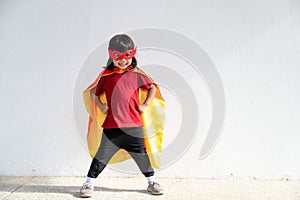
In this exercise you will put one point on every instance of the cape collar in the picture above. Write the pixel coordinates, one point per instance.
(118, 70)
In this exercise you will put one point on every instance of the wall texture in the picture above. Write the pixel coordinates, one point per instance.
(254, 45)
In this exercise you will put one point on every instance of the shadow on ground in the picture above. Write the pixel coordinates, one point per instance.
(72, 190)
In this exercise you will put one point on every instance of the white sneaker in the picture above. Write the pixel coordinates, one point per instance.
(86, 190)
(155, 188)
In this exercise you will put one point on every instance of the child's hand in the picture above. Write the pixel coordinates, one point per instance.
(103, 108)
(143, 108)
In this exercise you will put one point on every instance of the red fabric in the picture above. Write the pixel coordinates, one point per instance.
(116, 55)
(116, 69)
(121, 91)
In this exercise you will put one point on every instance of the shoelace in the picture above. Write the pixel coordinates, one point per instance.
(87, 186)
(154, 183)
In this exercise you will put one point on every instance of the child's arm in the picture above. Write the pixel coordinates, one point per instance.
(102, 106)
(151, 93)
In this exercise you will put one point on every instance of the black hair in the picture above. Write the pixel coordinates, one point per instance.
(120, 43)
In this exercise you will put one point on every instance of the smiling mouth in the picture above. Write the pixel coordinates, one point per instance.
(123, 64)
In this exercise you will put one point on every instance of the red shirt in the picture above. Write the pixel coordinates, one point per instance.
(121, 90)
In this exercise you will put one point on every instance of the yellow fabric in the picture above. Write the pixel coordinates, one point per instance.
(153, 120)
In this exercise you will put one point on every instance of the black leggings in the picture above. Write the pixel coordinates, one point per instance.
(129, 139)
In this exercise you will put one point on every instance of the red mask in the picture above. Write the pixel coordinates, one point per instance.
(116, 55)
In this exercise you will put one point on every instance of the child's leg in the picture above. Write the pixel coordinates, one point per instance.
(107, 149)
(136, 148)
(143, 162)
(134, 145)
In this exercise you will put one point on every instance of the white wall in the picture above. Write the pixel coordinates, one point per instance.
(255, 46)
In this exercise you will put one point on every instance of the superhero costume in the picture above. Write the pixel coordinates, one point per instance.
(153, 119)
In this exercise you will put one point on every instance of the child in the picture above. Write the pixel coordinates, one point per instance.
(119, 103)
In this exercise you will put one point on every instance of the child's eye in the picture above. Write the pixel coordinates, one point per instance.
(116, 55)
(128, 54)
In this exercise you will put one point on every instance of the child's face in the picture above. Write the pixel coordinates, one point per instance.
(122, 60)
(123, 63)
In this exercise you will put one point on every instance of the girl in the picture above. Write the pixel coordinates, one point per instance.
(119, 104)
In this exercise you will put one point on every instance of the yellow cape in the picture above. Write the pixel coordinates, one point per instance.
(153, 119)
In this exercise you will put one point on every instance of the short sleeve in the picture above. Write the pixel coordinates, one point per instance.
(100, 88)
(144, 82)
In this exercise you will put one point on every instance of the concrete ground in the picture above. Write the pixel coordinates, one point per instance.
(44, 188)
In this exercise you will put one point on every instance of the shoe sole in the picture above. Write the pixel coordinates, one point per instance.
(86, 195)
(155, 193)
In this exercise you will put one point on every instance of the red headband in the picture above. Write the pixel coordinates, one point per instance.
(116, 55)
